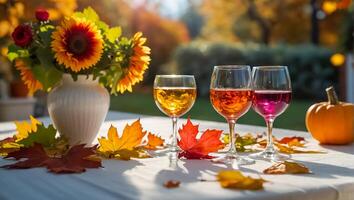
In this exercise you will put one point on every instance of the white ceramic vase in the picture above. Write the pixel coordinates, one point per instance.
(78, 108)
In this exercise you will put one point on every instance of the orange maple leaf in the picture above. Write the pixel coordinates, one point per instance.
(289, 140)
(123, 147)
(193, 148)
(154, 142)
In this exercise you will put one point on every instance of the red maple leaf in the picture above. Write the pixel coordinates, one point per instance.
(74, 161)
(35, 157)
(286, 140)
(193, 148)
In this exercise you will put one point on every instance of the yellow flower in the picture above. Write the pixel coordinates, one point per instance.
(77, 44)
(27, 77)
(138, 63)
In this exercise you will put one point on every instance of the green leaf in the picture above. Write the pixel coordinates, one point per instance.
(13, 52)
(91, 14)
(45, 34)
(103, 26)
(44, 136)
(45, 56)
(48, 76)
(115, 77)
(14, 48)
(12, 56)
(113, 33)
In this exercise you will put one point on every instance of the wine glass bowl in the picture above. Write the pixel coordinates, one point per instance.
(174, 101)
(271, 103)
(231, 103)
(272, 95)
(174, 95)
(231, 96)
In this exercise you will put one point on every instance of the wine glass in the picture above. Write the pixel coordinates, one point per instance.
(231, 96)
(174, 95)
(272, 94)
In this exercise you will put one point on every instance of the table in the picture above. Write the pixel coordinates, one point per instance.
(333, 176)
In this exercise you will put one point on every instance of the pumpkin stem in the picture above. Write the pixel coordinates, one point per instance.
(332, 96)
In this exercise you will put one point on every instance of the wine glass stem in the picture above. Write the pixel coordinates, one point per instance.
(174, 147)
(232, 137)
(270, 146)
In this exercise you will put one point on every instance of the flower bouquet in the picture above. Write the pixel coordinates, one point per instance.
(76, 62)
(81, 44)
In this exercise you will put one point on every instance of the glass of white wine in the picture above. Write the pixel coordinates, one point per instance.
(174, 95)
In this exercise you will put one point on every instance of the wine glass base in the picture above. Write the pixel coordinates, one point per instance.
(272, 156)
(233, 160)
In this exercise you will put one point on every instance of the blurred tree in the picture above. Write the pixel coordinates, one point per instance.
(219, 18)
(270, 21)
(337, 25)
(193, 20)
(163, 35)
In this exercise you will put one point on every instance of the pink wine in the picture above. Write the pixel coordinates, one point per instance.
(270, 103)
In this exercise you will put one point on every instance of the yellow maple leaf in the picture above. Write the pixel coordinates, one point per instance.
(8, 145)
(234, 179)
(123, 147)
(287, 167)
(24, 128)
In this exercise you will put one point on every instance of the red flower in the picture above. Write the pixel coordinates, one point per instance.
(42, 14)
(22, 35)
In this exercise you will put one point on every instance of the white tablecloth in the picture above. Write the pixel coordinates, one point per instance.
(332, 178)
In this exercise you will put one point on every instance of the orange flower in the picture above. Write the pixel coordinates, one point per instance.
(77, 44)
(138, 63)
(27, 77)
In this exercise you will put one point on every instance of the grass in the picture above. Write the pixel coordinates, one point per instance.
(142, 103)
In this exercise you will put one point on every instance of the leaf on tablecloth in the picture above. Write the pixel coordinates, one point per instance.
(193, 148)
(76, 160)
(8, 145)
(242, 142)
(286, 140)
(126, 146)
(171, 184)
(154, 142)
(288, 145)
(287, 167)
(34, 156)
(25, 128)
(234, 179)
(42, 135)
(294, 149)
(292, 141)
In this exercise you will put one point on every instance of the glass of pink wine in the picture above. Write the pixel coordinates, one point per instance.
(271, 96)
(231, 96)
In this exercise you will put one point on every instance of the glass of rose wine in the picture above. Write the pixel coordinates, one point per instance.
(231, 96)
(272, 95)
(174, 95)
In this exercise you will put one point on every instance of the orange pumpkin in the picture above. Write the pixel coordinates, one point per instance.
(331, 122)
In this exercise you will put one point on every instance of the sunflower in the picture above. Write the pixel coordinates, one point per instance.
(77, 44)
(27, 77)
(138, 63)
